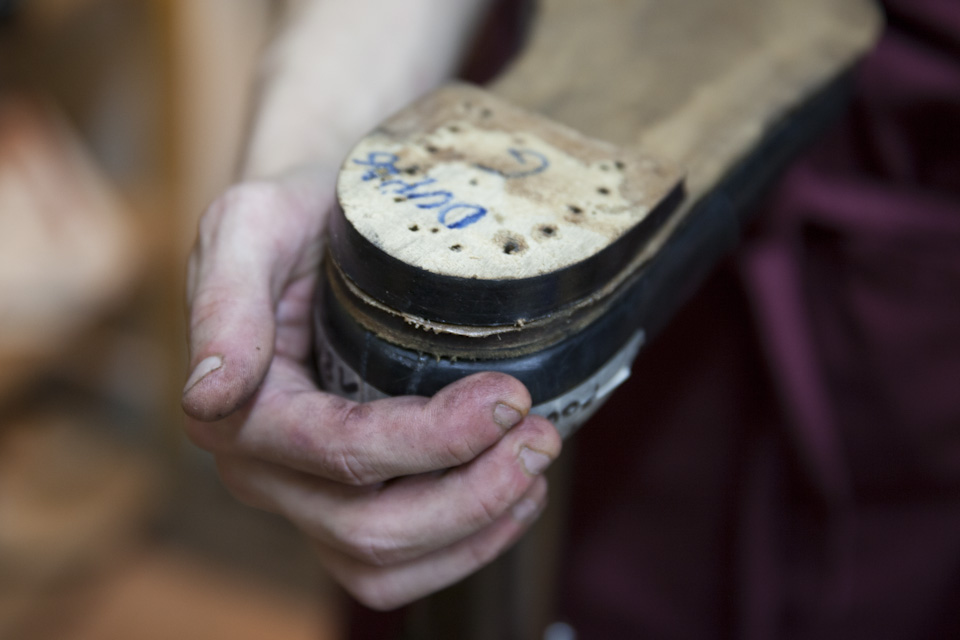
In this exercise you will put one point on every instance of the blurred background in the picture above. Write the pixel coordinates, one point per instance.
(120, 120)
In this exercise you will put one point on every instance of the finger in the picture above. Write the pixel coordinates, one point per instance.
(253, 242)
(407, 518)
(293, 425)
(388, 587)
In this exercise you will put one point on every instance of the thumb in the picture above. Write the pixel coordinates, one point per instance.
(250, 241)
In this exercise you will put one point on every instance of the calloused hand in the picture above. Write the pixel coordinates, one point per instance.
(403, 496)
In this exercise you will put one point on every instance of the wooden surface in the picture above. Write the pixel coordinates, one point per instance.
(699, 83)
(465, 185)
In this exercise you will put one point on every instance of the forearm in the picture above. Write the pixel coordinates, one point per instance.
(313, 105)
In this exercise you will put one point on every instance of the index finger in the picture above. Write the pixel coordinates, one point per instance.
(293, 424)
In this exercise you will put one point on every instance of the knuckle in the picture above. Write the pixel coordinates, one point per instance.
(336, 460)
(494, 501)
(344, 464)
(205, 308)
(542, 434)
(370, 547)
(374, 553)
(463, 451)
(354, 414)
(237, 209)
(345, 467)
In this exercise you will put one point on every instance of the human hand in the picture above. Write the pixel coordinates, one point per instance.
(402, 496)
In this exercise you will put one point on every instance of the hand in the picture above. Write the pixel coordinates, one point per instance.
(403, 496)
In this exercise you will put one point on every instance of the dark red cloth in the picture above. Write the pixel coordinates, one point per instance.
(785, 462)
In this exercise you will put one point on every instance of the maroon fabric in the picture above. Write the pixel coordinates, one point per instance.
(785, 462)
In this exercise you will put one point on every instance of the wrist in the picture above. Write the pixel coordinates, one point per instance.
(339, 67)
